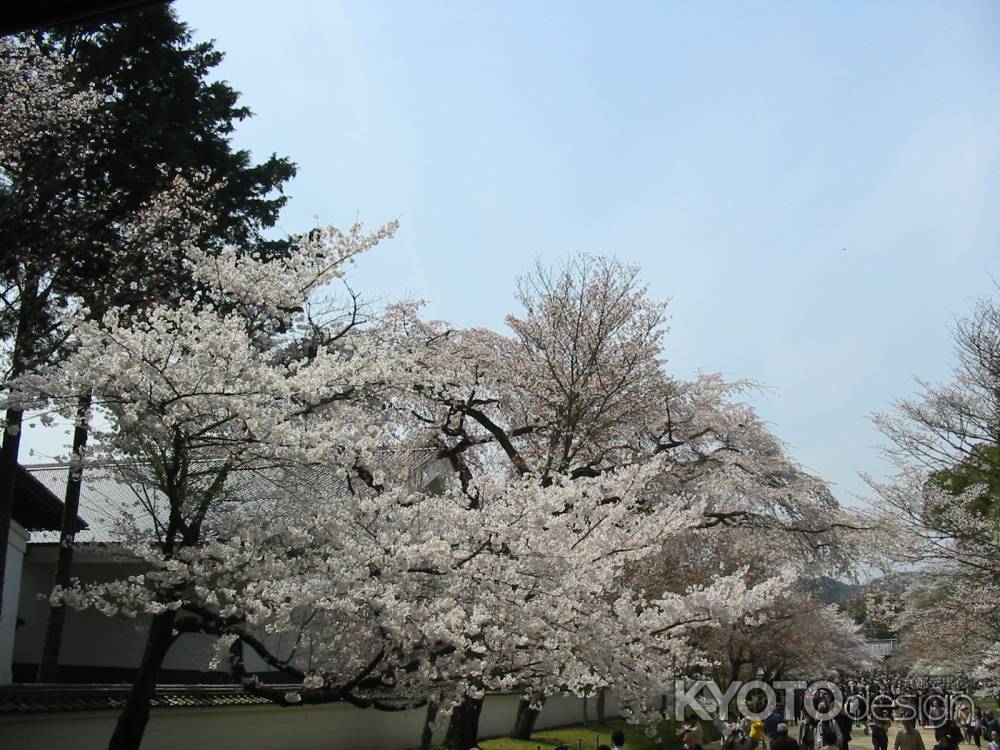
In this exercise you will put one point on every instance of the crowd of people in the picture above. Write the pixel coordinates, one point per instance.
(830, 716)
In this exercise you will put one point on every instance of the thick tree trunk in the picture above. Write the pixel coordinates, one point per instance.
(134, 717)
(586, 718)
(601, 717)
(734, 670)
(48, 667)
(524, 722)
(463, 728)
(427, 736)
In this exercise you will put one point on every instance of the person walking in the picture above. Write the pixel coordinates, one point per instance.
(976, 727)
(771, 722)
(947, 736)
(950, 730)
(964, 717)
(853, 707)
(829, 731)
(807, 733)
(756, 734)
(990, 725)
(880, 737)
(908, 738)
(828, 736)
(843, 723)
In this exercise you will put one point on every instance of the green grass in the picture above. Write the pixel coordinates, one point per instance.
(589, 737)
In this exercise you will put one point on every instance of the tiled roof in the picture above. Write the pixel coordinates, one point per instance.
(103, 502)
(48, 698)
(36, 508)
(112, 505)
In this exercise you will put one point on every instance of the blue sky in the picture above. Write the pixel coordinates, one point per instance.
(814, 185)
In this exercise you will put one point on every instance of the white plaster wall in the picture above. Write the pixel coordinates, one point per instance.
(16, 545)
(90, 639)
(331, 727)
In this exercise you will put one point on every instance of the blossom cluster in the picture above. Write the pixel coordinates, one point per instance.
(447, 512)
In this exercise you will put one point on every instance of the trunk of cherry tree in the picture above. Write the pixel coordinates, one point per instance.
(427, 736)
(734, 671)
(524, 722)
(134, 717)
(48, 668)
(463, 728)
(586, 717)
(601, 716)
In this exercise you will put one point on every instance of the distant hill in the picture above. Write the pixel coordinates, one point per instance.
(831, 591)
(893, 584)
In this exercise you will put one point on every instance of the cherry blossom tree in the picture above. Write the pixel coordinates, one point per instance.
(218, 378)
(452, 507)
(580, 391)
(938, 512)
(768, 640)
(87, 139)
(796, 634)
(800, 638)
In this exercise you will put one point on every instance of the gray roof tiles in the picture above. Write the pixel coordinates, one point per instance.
(18, 699)
(114, 506)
